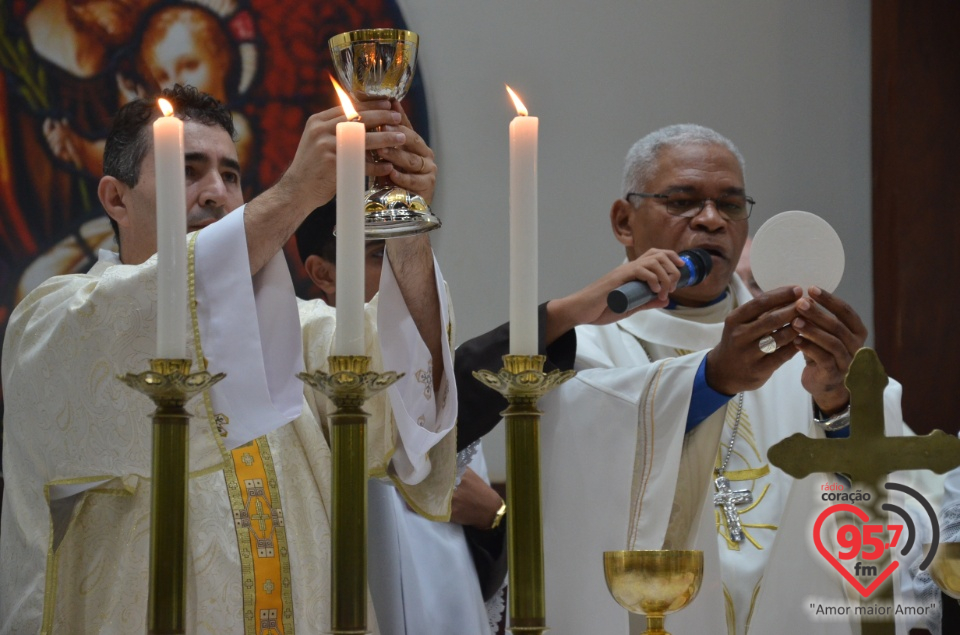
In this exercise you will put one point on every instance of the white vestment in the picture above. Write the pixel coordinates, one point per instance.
(77, 459)
(422, 577)
(619, 472)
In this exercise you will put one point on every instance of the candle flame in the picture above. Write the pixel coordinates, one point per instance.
(348, 108)
(521, 109)
(165, 107)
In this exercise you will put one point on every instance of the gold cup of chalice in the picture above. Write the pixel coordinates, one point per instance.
(653, 583)
(379, 64)
(945, 568)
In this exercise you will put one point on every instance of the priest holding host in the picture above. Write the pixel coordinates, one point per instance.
(76, 510)
(660, 441)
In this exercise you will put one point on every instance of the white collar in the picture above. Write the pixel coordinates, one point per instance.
(690, 328)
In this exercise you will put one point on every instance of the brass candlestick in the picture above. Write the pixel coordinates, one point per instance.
(170, 386)
(653, 583)
(522, 381)
(348, 385)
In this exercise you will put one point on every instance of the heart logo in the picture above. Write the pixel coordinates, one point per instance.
(862, 515)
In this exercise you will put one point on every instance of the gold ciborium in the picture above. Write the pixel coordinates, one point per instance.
(945, 568)
(379, 64)
(653, 583)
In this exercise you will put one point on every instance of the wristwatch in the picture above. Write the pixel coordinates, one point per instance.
(831, 423)
(500, 514)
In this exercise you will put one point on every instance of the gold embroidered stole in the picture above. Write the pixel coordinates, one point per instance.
(748, 456)
(751, 473)
(745, 437)
(258, 518)
(252, 487)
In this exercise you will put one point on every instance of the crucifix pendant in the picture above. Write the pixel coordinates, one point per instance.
(728, 499)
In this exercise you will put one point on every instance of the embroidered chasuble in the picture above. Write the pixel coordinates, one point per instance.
(620, 472)
(76, 518)
(747, 469)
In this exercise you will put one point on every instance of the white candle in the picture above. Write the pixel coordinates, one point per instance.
(171, 235)
(351, 146)
(523, 231)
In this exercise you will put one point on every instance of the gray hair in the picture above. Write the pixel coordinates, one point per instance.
(642, 157)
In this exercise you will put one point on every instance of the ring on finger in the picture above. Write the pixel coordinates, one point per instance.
(767, 344)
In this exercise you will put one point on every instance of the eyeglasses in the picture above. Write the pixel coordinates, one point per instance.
(731, 207)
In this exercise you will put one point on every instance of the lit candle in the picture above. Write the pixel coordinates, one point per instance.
(523, 231)
(351, 145)
(171, 235)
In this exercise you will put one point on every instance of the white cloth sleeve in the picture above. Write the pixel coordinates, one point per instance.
(422, 418)
(250, 330)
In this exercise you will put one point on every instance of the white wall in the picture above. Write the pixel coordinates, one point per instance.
(788, 82)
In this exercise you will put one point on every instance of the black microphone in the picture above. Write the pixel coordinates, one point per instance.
(697, 266)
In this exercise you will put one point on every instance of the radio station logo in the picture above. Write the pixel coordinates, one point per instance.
(858, 549)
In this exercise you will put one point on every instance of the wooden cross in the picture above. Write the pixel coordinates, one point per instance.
(867, 454)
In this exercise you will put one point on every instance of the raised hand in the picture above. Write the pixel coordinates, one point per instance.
(412, 166)
(314, 168)
(60, 138)
(831, 333)
(737, 363)
(73, 148)
(659, 268)
(311, 179)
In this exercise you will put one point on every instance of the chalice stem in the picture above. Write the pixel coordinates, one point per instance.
(655, 625)
(378, 182)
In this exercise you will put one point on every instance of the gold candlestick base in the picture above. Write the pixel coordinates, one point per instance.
(348, 385)
(170, 385)
(522, 381)
(653, 583)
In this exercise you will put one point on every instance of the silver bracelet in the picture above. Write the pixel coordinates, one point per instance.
(464, 457)
(834, 422)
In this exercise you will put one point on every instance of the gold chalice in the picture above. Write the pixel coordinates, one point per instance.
(378, 64)
(945, 568)
(653, 583)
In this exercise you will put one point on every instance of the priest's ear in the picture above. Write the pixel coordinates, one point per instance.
(620, 216)
(112, 192)
(322, 273)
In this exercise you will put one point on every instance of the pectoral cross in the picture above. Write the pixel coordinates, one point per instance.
(728, 499)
